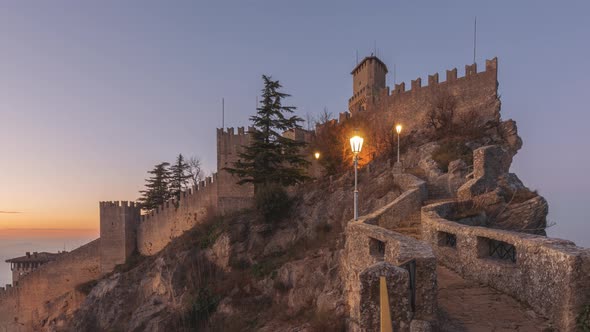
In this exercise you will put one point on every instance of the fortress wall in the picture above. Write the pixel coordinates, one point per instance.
(28, 301)
(551, 275)
(118, 232)
(8, 307)
(476, 91)
(158, 228)
(229, 145)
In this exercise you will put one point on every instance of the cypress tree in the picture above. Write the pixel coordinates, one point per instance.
(180, 176)
(157, 188)
(272, 159)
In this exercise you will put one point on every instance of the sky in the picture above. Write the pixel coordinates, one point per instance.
(93, 94)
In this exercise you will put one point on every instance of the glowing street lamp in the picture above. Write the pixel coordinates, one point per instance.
(317, 155)
(398, 129)
(356, 144)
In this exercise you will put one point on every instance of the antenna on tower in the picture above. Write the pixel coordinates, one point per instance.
(357, 57)
(474, 37)
(222, 113)
(256, 102)
(375, 48)
(394, 74)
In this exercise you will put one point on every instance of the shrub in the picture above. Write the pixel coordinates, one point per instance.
(263, 269)
(272, 202)
(200, 309)
(583, 319)
(133, 261)
(86, 287)
(449, 151)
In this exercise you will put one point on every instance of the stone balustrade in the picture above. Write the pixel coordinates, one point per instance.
(551, 275)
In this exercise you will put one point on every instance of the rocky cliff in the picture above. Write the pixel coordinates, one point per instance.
(238, 272)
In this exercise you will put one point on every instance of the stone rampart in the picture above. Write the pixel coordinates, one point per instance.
(25, 304)
(475, 92)
(118, 232)
(551, 275)
(168, 221)
(404, 211)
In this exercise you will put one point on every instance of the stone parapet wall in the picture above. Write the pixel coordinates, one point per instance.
(23, 305)
(362, 251)
(550, 275)
(476, 92)
(369, 243)
(404, 211)
(168, 221)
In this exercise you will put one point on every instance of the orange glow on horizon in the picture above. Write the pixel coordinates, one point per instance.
(45, 233)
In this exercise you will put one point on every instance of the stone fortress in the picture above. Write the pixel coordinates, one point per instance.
(547, 274)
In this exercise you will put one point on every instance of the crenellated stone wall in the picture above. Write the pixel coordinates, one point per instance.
(550, 275)
(118, 233)
(474, 92)
(25, 304)
(170, 220)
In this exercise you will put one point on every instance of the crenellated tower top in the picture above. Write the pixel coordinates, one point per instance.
(368, 79)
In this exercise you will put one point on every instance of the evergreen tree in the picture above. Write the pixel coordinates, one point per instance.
(180, 176)
(157, 188)
(272, 159)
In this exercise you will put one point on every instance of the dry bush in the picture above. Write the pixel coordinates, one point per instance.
(441, 114)
(451, 150)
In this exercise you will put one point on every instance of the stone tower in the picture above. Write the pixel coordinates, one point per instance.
(368, 79)
(230, 144)
(118, 233)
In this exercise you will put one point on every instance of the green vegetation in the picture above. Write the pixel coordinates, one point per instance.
(272, 161)
(157, 188)
(86, 287)
(272, 202)
(169, 182)
(200, 308)
(452, 150)
(179, 177)
(583, 319)
(211, 232)
(134, 260)
(272, 158)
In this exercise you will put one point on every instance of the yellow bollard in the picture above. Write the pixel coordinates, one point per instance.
(385, 312)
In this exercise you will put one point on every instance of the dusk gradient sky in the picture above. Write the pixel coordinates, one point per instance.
(92, 95)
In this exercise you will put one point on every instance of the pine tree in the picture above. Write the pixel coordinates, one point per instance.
(272, 159)
(180, 176)
(157, 188)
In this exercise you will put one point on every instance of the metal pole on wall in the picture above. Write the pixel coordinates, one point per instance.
(398, 147)
(356, 191)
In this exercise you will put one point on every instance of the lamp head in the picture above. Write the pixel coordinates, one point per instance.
(398, 128)
(317, 155)
(356, 144)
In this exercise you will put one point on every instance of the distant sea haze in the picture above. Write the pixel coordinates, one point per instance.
(16, 242)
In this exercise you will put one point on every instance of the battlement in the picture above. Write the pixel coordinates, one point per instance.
(7, 291)
(118, 204)
(231, 132)
(204, 188)
(451, 76)
(433, 81)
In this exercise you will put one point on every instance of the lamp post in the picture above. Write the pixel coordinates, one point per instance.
(398, 129)
(356, 144)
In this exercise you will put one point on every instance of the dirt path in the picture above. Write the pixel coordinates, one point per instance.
(468, 306)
